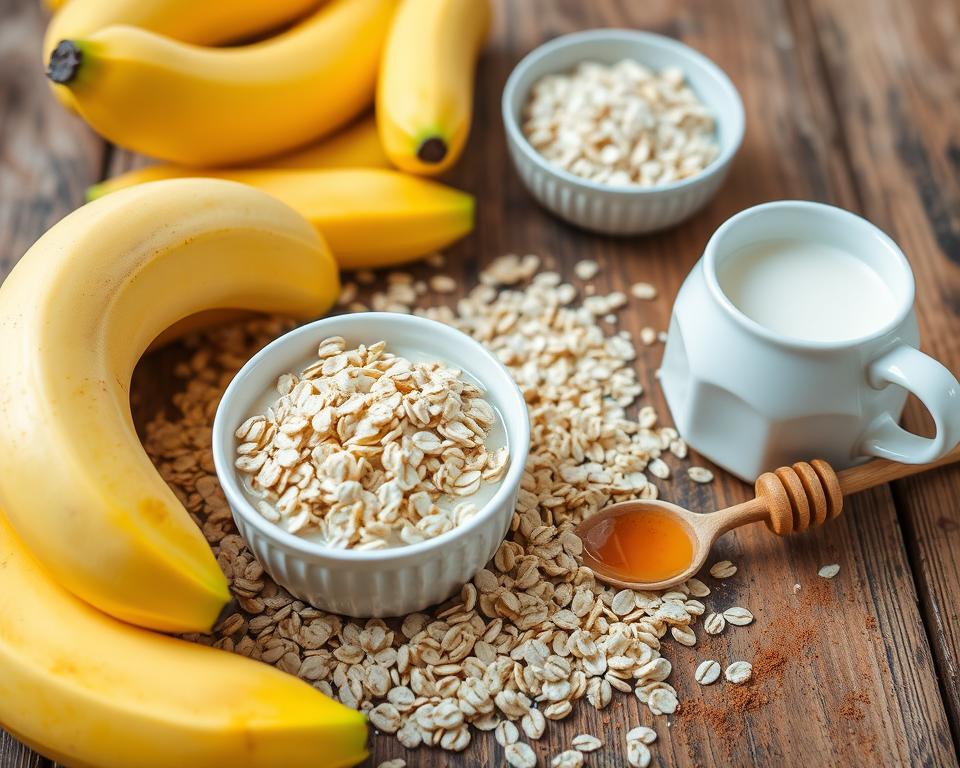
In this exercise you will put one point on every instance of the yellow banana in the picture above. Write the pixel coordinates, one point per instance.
(216, 106)
(369, 217)
(86, 690)
(211, 22)
(356, 146)
(425, 90)
(76, 313)
(54, 5)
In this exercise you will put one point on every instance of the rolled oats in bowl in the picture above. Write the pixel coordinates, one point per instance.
(621, 124)
(367, 449)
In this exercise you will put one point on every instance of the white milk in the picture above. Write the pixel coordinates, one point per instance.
(807, 290)
(496, 438)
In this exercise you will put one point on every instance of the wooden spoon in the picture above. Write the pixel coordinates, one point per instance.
(790, 500)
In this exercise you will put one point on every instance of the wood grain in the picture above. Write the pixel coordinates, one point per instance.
(861, 687)
(47, 156)
(895, 77)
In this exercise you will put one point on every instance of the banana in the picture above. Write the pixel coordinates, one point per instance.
(425, 90)
(76, 313)
(86, 690)
(212, 22)
(370, 218)
(216, 106)
(356, 146)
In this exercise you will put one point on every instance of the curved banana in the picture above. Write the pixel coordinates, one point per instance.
(356, 146)
(216, 106)
(76, 313)
(370, 218)
(86, 690)
(425, 90)
(211, 22)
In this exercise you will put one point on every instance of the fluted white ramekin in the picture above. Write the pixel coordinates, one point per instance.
(621, 210)
(389, 582)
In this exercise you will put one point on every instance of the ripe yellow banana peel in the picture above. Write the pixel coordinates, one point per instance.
(356, 146)
(219, 106)
(370, 218)
(76, 313)
(425, 89)
(211, 22)
(87, 690)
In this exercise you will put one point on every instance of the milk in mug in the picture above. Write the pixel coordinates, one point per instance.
(807, 290)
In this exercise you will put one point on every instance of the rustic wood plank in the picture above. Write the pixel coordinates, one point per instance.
(47, 158)
(14, 755)
(895, 72)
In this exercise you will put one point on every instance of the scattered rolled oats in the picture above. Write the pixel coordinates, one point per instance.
(586, 269)
(534, 633)
(829, 571)
(362, 446)
(662, 701)
(586, 742)
(621, 124)
(643, 291)
(700, 474)
(723, 569)
(642, 734)
(638, 754)
(708, 672)
(570, 758)
(506, 733)
(442, 284)
(397, 762)
(520, 755)
(659, 469)
(737, 616)
(714, 624)
(739, 672)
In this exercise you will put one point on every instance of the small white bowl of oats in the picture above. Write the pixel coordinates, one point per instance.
(620, 131)
(372, 461)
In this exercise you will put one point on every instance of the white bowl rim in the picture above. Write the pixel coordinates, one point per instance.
(646, 38)
(223, 435)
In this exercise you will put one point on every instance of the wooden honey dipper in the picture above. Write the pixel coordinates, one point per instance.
(790, 500)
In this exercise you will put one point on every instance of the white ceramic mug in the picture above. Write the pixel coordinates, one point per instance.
(751, 399)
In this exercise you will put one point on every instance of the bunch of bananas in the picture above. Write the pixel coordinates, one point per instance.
(95, 549)
(145, 75)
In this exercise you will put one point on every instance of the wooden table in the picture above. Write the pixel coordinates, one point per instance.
(852, 102)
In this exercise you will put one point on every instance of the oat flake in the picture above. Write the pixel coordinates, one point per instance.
(829, 571)
(739, 672)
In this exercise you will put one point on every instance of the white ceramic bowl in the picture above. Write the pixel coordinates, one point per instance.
(621, 210)
(389, 582)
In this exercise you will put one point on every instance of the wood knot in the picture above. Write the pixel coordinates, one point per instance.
(800, 496)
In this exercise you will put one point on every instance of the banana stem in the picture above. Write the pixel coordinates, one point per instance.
(65, 62)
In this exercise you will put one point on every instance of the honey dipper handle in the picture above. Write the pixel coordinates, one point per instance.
(881, 471)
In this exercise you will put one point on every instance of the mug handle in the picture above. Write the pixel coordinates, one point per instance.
(936, 388)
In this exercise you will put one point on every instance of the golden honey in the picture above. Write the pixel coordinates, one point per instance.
(646, 545)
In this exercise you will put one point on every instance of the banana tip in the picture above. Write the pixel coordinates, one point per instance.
(432, 150)
(64, 62)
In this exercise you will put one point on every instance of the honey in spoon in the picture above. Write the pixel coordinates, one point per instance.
(645, 544)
